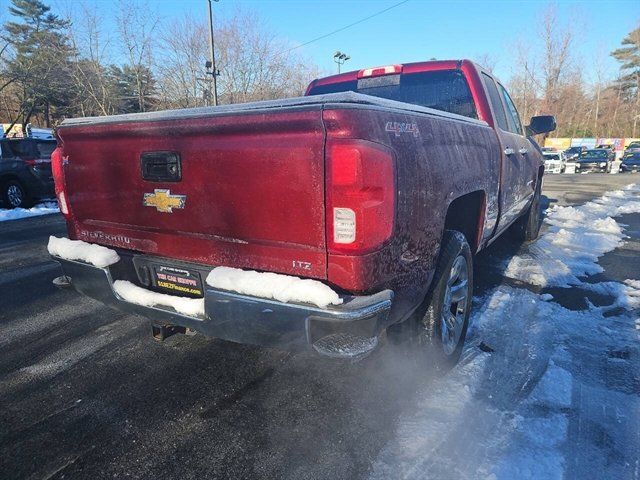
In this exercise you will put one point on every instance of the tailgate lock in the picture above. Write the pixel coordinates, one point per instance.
(161, 166)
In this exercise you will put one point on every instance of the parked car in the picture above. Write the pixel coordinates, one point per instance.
(25, 171)
(611, 150)
(573, 153)
(377, 189)
(554, 162)
(595, 160)
(633, 147)
(630, 162)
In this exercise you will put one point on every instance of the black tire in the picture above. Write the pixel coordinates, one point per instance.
(428, 322)
(527, 227)
(14, 195)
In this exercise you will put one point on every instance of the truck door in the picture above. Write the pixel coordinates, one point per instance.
(513, 195)
(528, 157)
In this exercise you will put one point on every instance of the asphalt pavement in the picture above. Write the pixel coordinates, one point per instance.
(87, 393)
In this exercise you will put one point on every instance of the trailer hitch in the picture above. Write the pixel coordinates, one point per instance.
(162, 332)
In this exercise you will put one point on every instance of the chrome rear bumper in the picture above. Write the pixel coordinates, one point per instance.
(345, 330)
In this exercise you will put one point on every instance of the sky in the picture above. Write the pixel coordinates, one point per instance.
(421, 29)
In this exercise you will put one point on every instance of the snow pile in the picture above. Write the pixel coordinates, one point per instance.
(194, 307)
(78, 250)
(44, 208)
(284, 288)
(556, 382)
(577, 237)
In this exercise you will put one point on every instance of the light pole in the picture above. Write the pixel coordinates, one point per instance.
(340, 58)
(210, 65)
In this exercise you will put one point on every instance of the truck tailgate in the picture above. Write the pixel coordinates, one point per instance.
(251, 192)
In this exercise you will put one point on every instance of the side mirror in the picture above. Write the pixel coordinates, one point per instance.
(541, 124)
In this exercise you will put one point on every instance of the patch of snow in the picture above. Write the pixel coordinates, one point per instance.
(513, 413)
(554, 388)
(193, 307)
(627, 294)
(284, 288)
(44, 208)
(576, 238)
(78, 250)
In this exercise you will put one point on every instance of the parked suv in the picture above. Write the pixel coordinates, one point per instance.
(25, 171)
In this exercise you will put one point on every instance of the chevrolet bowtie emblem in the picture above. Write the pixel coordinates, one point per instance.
(163, 200)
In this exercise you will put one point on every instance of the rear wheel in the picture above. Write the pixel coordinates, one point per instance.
(440, 323)
(527, 227)
(14, 195)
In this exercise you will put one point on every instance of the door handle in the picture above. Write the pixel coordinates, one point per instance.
(523, 151)
(509, 151)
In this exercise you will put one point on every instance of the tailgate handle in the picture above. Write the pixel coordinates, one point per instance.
(161, 166)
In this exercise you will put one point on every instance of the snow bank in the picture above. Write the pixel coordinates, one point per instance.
(44, 208)
(79, 250)
(284, 288)
(140, 296)
(577, 237)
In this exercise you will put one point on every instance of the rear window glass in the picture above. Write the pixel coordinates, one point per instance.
(15, 148)
(554, 156)
(595, 154)
(45, 149)
(445, 90)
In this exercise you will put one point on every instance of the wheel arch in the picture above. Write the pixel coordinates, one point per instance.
(466, 215)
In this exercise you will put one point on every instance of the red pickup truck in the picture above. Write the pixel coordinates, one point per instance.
(376, 189)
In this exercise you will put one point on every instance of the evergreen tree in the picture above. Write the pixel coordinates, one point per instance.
(40, 60)
(629, 83)
(130, 98)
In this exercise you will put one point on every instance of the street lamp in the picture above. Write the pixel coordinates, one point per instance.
(210, 65)
(340, 58)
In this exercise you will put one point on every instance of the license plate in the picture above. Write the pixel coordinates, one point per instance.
(177, 280)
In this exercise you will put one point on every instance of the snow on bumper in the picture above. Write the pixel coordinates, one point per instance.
(78, 250)
(284, 288)
(129, 292)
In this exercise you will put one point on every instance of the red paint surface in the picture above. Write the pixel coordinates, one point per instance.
(255, 189)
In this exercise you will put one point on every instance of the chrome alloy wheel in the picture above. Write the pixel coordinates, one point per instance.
(15, 195)
(455, 305)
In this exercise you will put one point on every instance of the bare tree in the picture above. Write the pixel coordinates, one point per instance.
(95, 93)
(182, 74)
(137, 25)
(556, 60)
(255, 64)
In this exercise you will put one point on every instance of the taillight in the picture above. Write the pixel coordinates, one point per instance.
(34, 162)
(57, 169)
(360, 195)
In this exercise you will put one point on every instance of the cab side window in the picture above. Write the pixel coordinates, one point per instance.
(513, 119)
(496, 103)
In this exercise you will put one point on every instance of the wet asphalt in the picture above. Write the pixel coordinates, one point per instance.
(87, 393)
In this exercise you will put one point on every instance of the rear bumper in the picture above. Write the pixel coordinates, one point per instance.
(590, 168)
(346, 330)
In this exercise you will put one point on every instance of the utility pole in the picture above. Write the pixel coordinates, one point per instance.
(211, 64)
(340, 58)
